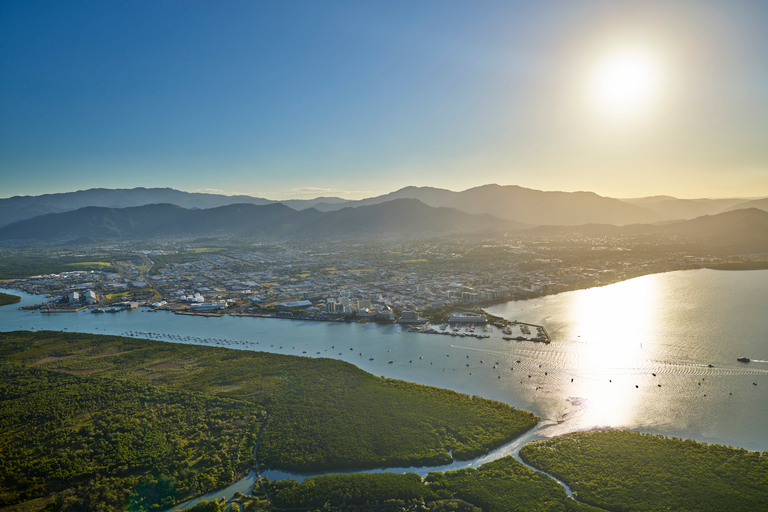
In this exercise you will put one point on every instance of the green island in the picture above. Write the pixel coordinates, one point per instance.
(95, 422)
(6, 299)
(630, 471)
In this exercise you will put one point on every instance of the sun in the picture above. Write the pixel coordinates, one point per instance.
(625, 83)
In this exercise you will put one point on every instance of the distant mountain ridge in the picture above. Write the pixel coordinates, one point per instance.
(512, 202)
(25, 207)
(528, 206)
(683, 209)
(398, 217)
(737, 231)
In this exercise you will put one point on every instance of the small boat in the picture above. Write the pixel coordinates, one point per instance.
(743, 359)
(391, 361)
(371, 359)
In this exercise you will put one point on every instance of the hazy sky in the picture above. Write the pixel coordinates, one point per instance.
(285, 99)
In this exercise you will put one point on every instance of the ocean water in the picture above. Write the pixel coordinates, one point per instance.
(634, 354)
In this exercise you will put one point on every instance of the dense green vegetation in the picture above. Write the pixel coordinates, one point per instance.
(505, 485)
(6, 299)
(355, 489)
(614, 470)
(629, 471)
(318, 414)
(358, 420)
(93, 440)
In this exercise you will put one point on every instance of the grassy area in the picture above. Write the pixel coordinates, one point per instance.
(16, 266)
(118, 295)
(322, 414)
(629, 471)
(90, 264)
(6, 299)
(200, 250)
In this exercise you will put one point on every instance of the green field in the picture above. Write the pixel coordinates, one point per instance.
(90, 264)
(16, 266)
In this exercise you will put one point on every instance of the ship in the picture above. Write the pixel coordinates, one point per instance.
(743, 359)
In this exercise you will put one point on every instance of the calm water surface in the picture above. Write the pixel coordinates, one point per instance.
(631, 355)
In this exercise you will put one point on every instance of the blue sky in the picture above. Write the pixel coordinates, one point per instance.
(300, 99)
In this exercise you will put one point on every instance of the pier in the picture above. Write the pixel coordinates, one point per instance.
(464, 330)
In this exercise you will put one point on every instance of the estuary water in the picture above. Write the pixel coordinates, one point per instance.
(655, 354)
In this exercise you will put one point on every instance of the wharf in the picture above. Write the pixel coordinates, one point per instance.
(62, 310)
(538, 327)
(190, 313)
(541, 337)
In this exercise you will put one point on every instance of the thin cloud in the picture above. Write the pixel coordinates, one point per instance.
(209, 190)
(319, 191)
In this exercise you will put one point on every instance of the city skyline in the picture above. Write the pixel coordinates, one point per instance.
(357, 100)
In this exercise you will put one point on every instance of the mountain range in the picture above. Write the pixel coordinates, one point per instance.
(743, 230)
(397, 217)
(523, 205)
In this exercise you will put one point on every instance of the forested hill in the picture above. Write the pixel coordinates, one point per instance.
(737, 231)
(399, 217)
(97, 422)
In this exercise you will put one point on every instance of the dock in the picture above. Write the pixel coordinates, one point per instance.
(542, 336)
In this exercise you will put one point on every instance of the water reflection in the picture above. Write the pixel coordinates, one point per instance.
(612, 326)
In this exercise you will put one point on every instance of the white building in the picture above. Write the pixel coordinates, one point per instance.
(459, 318)
(411, 317)
(207, 306)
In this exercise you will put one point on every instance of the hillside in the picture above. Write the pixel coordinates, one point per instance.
(400, 217)
(17, 208)
(761, 204)
(525, 205)
(686, 209)
(737, 231)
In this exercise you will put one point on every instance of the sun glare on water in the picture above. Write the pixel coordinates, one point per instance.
(625, 83)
